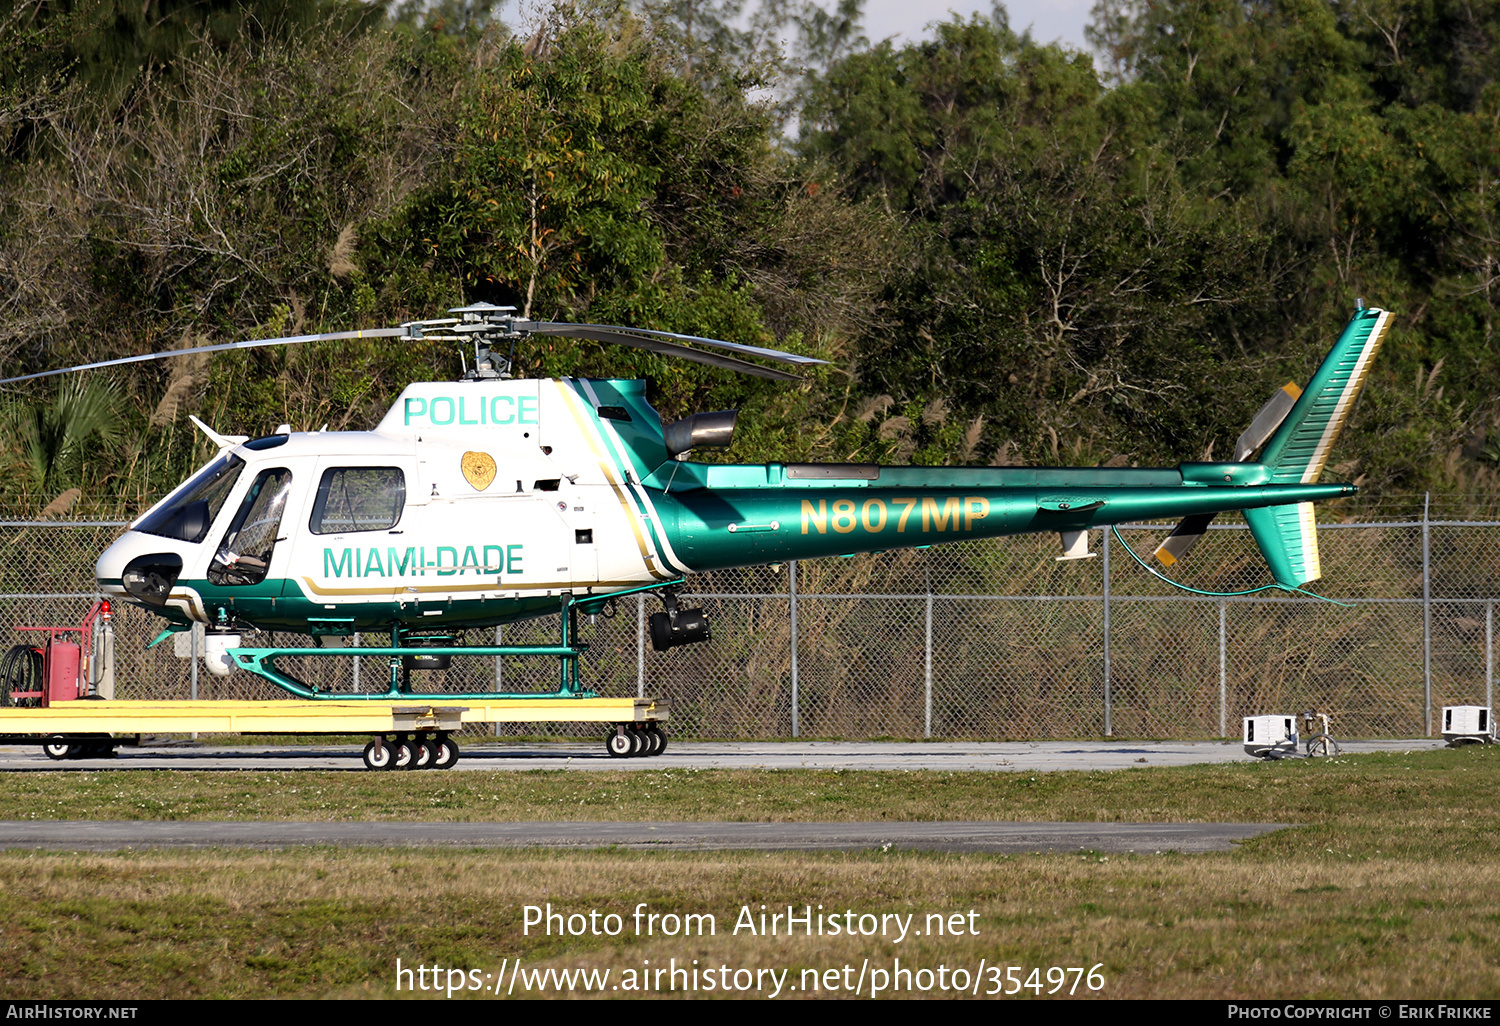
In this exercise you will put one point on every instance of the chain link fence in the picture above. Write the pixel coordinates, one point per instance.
(993, 639)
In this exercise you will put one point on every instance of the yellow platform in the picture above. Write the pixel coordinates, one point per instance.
(295, 716)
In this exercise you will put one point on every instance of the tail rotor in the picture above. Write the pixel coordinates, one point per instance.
(1297, 430)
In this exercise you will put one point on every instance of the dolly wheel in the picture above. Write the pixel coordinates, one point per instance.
(447, 754)
(619, 745)
(658, 738)
(377, 758)
(55, 749)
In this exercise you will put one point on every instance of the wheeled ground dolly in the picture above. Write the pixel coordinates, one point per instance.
(632, 739)
(422, 750)
(405, 734)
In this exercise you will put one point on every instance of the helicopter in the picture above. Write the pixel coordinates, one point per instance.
(494, 499)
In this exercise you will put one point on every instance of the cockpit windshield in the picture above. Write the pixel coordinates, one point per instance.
(189, 516)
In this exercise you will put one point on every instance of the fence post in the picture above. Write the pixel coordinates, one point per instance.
(1109, 729)
(640, 646)
(1223, 671)
(355, 641)
(1426, 618)
(792, 594)
(927, 721)
(1489, 657)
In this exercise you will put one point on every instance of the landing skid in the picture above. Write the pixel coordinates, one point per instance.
(403, 655)
(262, 663)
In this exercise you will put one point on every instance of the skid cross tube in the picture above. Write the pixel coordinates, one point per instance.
(262, 663)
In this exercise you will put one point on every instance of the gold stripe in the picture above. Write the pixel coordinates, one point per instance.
(448, 589)
(1344, 405)
(1312, 563)
(631, 517)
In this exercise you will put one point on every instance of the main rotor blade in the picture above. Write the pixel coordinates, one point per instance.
(600, 334)
(621, 335)
(247, 344)
(639, 338)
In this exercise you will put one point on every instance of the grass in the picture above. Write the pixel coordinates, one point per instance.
(1386, 891)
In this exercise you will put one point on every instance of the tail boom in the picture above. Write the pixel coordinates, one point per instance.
(716, 530)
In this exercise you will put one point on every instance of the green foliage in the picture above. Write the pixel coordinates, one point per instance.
(546, 193)
(1008, 256)
(1361, 139)
(1066, 288)
(50, 445)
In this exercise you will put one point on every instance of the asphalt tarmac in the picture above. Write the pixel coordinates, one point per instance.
(1000, 838)
(1010, 838)
(954, 756)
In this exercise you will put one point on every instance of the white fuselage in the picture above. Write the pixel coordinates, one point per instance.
(509, 490)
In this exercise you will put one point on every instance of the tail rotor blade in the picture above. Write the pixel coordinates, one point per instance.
(1186, 534)
(1183, 537)
(1267, 421)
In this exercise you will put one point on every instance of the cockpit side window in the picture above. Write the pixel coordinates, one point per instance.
(352, 499)
(190, 515)
(244, 555)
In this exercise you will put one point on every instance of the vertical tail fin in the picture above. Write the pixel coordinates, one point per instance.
(1288, 539)
(1298, 452)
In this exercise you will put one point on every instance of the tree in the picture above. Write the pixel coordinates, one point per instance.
(1064, 286)
(53, 443)
(1360, 137)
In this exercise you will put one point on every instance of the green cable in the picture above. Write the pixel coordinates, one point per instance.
(1221, 594)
